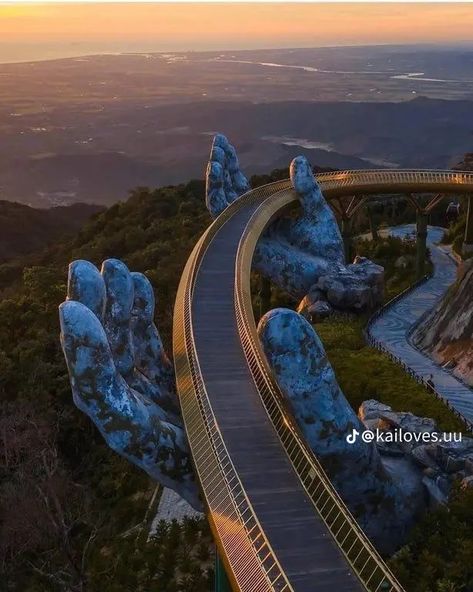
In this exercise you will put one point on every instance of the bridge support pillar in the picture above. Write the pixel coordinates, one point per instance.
(347, 238)
(221, 581)
(421, 243)
(467, 248)
(372, 223)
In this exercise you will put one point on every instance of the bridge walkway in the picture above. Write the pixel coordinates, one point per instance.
(299, 538)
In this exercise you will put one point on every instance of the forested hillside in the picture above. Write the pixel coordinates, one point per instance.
(74, 515)
(65, 498)
(24, 229)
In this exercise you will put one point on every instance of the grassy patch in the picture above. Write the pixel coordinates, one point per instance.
(364, 373)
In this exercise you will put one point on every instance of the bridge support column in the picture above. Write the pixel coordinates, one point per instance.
(372, 223)
(221, 581)
(421, 243)
(467, 248)
(347, 238)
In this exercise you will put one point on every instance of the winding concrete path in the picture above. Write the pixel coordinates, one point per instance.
(393, 327)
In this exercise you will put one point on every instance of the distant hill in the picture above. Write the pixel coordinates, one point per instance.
(24, 229)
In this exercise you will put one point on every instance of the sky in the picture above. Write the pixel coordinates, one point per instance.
(41, 31)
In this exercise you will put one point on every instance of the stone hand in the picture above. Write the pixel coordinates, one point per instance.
(303, 254)
(385, 501)
(224, 180)
(120, 375)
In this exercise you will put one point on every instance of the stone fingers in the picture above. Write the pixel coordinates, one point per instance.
(130, 423)
(224, 180)
(150, 358)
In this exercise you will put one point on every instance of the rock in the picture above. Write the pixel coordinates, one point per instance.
(452, 456)
(390, 449)
(469, 464)
(357, 287)
(409, 422)
(446, 334)
(371, 424)
(467, 482)
(312, 296)
(319, 310)
(424, 456)
(372, 273)
(436, 495)
(372, 409)
(313, 306)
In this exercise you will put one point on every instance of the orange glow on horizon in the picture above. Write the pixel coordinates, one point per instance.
(185, 27)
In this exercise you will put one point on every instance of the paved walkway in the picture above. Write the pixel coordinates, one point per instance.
(392, 328)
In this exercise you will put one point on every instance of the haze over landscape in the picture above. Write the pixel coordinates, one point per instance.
(91, 128)
(135, 91)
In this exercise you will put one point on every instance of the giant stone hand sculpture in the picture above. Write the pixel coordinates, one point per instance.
(385, 498)
(119, 372)
(303, 256)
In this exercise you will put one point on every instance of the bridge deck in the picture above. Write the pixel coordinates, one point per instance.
(299, 538)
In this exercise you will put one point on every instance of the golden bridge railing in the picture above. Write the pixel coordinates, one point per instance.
(249, 560)
(245, 551)
(359, 552)
(342, 183)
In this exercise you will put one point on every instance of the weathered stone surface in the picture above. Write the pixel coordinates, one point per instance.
(384, 507)
(224, 179)
(372, 409)
(436, 495)
(296, 253)
(446, 334)
(319, 310)
(467, 482)
(442, 462)
(136, 413)
(313, 296)
(357, 287)
(409, 422)
(424, 455)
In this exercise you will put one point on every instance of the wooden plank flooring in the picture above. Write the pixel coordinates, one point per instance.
(299, 538)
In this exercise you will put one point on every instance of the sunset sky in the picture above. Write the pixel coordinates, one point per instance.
(38, 31)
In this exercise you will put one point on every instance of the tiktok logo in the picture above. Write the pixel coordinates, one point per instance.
(351, 438)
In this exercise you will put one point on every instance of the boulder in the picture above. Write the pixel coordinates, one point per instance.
(319, 310)
(424, 456)
(437, 496)
(356, 287)
(467, 482)
(372, 409)
(409, 422)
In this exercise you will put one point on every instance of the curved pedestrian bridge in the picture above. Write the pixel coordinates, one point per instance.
(277, 520)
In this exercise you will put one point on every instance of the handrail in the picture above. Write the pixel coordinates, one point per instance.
(245, 550)
(340, 183)
(358, 550)
(248, 557)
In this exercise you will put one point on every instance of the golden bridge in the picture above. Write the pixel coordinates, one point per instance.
(277, 520)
